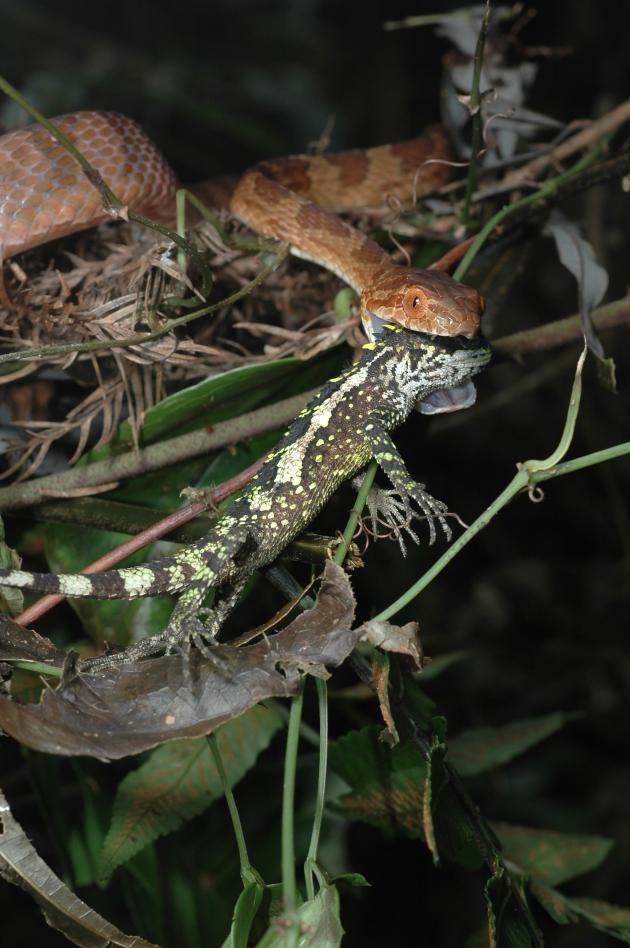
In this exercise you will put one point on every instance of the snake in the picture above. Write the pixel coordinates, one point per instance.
(45, 195)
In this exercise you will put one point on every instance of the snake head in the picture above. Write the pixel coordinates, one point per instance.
(422, 300)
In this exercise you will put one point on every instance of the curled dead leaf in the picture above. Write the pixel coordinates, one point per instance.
(137, 705)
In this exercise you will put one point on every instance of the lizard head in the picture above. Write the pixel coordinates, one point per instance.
(438, 369)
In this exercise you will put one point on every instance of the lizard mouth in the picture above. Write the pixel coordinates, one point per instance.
(446, 400)
(464, 394)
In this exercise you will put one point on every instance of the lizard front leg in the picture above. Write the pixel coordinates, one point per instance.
(386, 455)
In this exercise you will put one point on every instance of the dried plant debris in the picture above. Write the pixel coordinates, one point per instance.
(21, 865)
(122, 279)
(119, 281)
(93, 421)
(26, 645)
(138, 705)
(403, 640)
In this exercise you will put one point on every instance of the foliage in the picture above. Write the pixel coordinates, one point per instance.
(476, 836)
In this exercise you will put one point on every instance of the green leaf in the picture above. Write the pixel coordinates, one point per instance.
(397, 791)
(318, 919)
(510, 923)
(320, 922)
(418, 705)
(483, 748)
(605, 915)
(613, 919)
(202, 403)
(550, 856)
(436, 757)
(224, 396)
(178, 781)
(437, 666)
(353, 879)
(387, 785)
(245, 910)
(448, 827)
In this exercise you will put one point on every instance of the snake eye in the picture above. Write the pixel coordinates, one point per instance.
(414, 306)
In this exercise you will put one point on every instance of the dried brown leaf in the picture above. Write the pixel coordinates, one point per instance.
(404, 640)
(138, 705)
(21, 865)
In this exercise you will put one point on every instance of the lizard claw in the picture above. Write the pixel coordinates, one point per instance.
(391, 508)
(431, 508)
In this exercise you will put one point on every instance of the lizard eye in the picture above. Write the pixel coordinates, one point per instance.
(414, 306)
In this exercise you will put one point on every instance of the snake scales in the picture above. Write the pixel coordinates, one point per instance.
(44, 195)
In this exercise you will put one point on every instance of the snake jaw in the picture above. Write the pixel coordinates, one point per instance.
(421, 300)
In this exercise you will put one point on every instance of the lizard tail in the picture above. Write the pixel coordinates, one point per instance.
(169, 574)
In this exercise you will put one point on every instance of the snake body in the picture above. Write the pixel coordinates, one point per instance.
(44, 195)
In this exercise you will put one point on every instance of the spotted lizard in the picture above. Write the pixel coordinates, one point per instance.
(348, 422)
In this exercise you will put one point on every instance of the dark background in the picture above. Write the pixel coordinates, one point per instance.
(540, 600)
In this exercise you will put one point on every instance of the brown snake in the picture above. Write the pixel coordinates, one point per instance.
(44, 194)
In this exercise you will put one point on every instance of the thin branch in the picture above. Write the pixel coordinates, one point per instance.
(477, 121)
(585, 138)
(562, 331)
(156, 456)
(156, 531)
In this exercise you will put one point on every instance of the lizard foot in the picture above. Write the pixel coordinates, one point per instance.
(431, 508)
(389, 515)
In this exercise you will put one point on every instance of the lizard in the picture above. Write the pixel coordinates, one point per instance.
(348, 422)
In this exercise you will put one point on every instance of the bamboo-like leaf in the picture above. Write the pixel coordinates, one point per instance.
(565, 910)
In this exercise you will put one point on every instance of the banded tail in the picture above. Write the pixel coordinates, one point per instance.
(169, 574)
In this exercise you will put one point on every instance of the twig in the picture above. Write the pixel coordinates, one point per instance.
(585, 138)
(562, 331)
(26, 355)
(155, 532)
(154, 457)
(475, 110)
